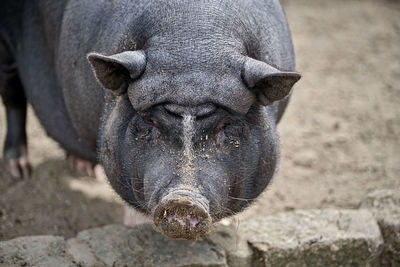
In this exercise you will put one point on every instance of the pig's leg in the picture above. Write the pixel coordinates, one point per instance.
(80, 166)
(13, 96)
(133, 217)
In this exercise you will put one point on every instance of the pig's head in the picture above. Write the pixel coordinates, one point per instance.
(188, 146)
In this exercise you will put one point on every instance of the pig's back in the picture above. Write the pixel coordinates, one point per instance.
(55, 37)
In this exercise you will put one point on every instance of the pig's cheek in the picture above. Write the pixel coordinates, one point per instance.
(138, 189)
(220, 140)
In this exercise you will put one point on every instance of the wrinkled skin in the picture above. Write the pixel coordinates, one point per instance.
(230, 154)
(184, 110)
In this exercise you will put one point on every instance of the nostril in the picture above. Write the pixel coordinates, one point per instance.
(190, 220)
(193, 221)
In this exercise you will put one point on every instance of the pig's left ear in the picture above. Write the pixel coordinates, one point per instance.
(115, 72)
(268, 83)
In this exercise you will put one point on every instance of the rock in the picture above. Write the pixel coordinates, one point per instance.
(82, 253)
(299, 238)
(238, 251)
(314, 238)
(113, 245)
(35, 251)
(385, 207)
(118, 245)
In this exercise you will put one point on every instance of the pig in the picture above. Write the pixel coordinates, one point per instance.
(178, 100)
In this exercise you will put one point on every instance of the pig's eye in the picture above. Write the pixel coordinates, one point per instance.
(230, 128)
(229, 133)
(143, 128)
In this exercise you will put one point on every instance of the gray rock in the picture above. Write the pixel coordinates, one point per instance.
(113, 245)
(300, 238)
(314, 238)
(35, 251)
(238, 251)
(82, 253)
(118, 245)
(385, 207)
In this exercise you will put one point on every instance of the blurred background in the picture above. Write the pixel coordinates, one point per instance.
(340, 134)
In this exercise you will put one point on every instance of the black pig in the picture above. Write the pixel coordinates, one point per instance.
(184, 111)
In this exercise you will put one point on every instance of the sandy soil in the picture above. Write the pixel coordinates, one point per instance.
(340, 134)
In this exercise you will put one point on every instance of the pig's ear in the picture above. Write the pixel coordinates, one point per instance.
(115, 72)
(268, 83)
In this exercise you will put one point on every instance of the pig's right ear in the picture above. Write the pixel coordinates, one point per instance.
(115, 72)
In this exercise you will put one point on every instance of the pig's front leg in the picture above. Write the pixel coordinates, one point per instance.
(15, 145)
(133, 217)
(80, 166)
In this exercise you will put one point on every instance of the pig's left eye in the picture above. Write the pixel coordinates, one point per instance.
(229, 133)
(144, 128)
(232, 129)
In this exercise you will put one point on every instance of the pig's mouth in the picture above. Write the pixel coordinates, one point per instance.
(181, 218)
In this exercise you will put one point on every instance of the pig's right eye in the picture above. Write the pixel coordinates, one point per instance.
(143, 128)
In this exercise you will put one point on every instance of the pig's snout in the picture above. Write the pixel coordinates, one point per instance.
(182, 217)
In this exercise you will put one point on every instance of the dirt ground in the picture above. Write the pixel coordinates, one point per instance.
(340, 134)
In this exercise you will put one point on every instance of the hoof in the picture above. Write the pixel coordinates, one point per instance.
(19, 167)
(81, 167)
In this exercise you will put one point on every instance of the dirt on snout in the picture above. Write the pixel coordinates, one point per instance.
(340, 135)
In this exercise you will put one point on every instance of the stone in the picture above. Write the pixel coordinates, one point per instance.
(385, 207)
(35, 251)
(314, 238)
(82, 253)
(112, 245)
(300, 238)
(118, 245)
(238, 251)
